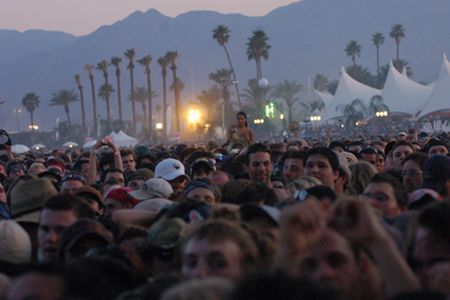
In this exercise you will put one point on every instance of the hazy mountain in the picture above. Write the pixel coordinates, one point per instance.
(307, 38)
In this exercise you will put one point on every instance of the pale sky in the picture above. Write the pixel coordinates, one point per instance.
(81, 17)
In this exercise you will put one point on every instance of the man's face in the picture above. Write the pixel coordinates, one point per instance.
(51, 225)
(116, 175)
(292, 169)
(202, 258)
(332, 263)
(430, 251)
(380, 163)
(412, 176)
(382, 197)
(400, 152)
(129, 163)
(371, 158)
(178, 184)
(438, 149)
(318, 166)
(260, 167)
(202, 194)
(70, 186)
(15, 173)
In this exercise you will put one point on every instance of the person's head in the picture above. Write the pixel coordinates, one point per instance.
(173, 171)
(337, 146)
(71, 182)
(118, 198)
(218, 248)
(259, 164)
(202, 167)
(355, 146)
(431, 247)
(386, 193)
(323, 164)
(93, 197)
(202, 190)
(82, 166)
(128, 160)
(36, 168)
(362, 172)
(331, 262)
(400, 150)
(219, 178)
(241, 118)
(116, 174)
(153, 188)
(412, 167)
(436, 147)
(15, 169)
(292, 165)
(436, 174)
(58, 213)
(369, 154)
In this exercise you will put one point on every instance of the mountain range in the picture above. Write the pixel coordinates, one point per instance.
(307, 37)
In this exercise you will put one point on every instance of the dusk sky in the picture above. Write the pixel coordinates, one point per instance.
(81, 17)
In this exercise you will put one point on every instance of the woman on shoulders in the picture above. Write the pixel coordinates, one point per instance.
(240, 133)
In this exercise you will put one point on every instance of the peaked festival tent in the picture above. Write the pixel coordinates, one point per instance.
(403, 95)
(440, 97)
(348, 90)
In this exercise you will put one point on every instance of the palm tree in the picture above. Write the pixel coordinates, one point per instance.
(397, 33)
(378, 40)
(287, 90)
(89, 69)
(353, 50)
(171, 56)
(146, 61)
(354, 111)
(104, 92)
(162, 61)
(83, 109)
(256, 95)
(377, 104)
(130, 54)
(115, 61)
(320, 83)
(222, 77)
(105, 89)
(222, 34)
(210, 99)
(332, 86)
(64, 98)
(257, 48)
(31, 101)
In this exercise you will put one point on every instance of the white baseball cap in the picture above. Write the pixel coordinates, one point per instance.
(153, 188)
(169, 169)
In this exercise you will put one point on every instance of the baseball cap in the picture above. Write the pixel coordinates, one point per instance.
(153, 188)
(169, 169)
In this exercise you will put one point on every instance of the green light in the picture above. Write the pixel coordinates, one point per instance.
(270, 110)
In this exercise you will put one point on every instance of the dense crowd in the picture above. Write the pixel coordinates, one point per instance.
(367, 218)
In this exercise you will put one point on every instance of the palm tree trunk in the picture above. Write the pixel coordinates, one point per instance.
(119, 97)
(378, 60)
(235, 82)
(150, 110)
(289, 112)
(66, 110)
(133, 105)
(177, 99)
(108, 105)
(83, 109)
(94, 105)
(164, 105)
(32, 120)
(398, 52)
(257, 71)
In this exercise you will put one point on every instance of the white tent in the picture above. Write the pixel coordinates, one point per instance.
(403, 95)
(19, 148)
(122, 139)
(440, 97)
(348, 90)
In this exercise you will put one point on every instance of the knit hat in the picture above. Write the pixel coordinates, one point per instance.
(14, 165)
(205, 184)
(16, 244)
(153, 188)
(28, 198)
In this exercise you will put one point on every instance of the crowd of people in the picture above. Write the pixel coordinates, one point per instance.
(367, 218)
